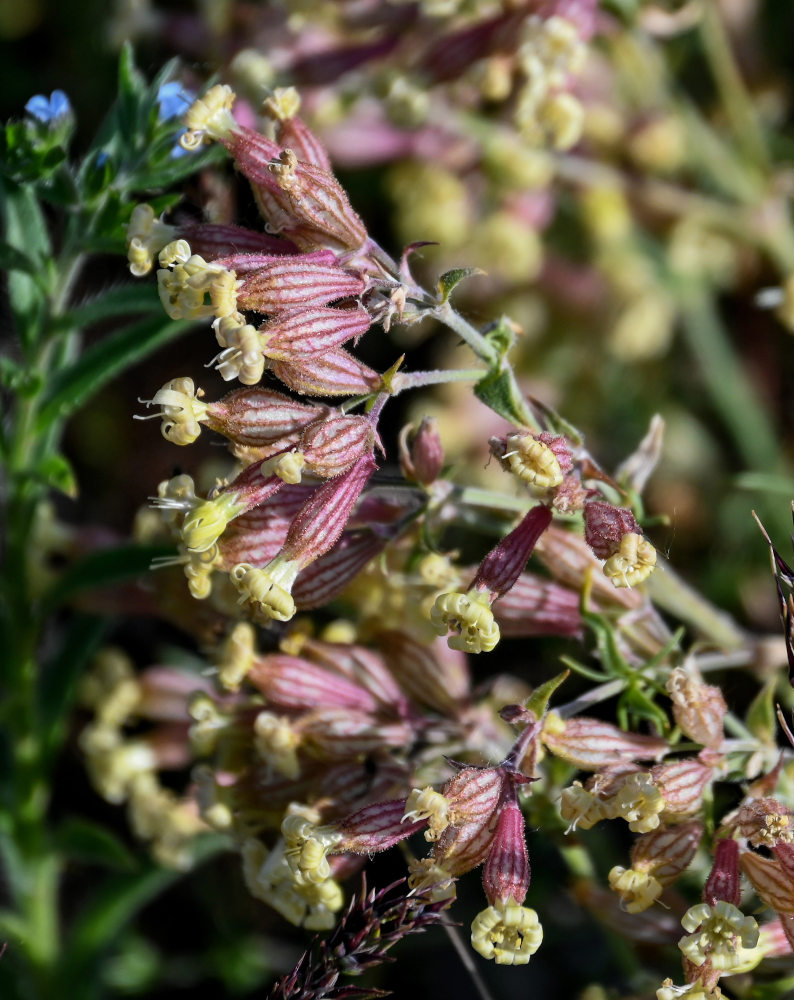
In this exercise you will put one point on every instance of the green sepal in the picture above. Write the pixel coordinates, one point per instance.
(538, 701)
(101, 363)
(56, 471)
(761, 719)
(451, 279)
(79, 839)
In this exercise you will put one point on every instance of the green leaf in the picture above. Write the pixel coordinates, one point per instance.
(99, 365)
(116, 903)
(60, 676)
(172, 170)
(499, 391)
(82, 840)
(552, 422)
(450, 279)
(122, 301)
(538, 701)
(25, 230)
(132, 88)
(104, 568)
(760, 718)
(12, 259)
(57, 472)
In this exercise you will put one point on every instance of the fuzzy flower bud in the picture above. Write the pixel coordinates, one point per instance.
(506, 873)
(421, 452)
(298, 281)
(507, 933)
(592, 744)
(334, 373)
(724, 878)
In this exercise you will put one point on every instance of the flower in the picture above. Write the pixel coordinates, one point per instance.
(508, 933)
(50, 110)
(721, 933)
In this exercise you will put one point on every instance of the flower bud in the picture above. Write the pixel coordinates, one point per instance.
(312, 331)
(377, 827)
(292, 282)
(682, 783)
(536, 606)
(699, 709)
(293, 683)
(259, 417)
(724, 880)
(605, 525)
(335, 373)
(432, 675)
(592, 744)
(329, 575)
(770, 880)
(421, 453)
(506, 872)
(332, 445)
(503, 565)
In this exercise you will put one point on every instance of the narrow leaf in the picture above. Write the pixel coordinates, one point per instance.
(121, 301)
(498, 390)
(100, 569)
(61, 675)
(102, 362)
(82, 840)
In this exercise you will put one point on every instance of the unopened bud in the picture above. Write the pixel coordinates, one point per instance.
(421, 453)
(335, 373)
(592, 744)
(506, 873)
(312, 331)
(292, 282)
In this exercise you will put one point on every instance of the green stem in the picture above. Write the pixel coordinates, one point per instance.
(416, 380)
(736, 102)
(469, 334)
(731, 392)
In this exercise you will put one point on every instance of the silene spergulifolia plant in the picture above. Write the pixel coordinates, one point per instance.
(353, 597)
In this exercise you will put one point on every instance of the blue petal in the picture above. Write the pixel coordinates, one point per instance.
(173, 100)
(39, 108)
(59, 104)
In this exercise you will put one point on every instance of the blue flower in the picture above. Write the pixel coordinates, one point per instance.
(49, 110)
(173, 100)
